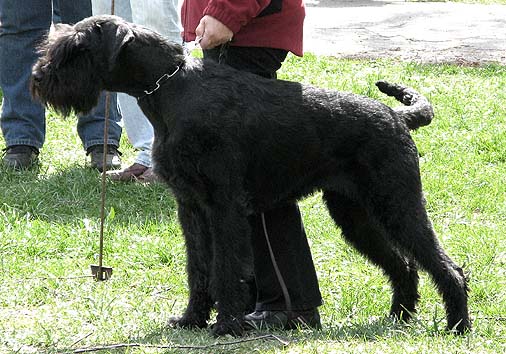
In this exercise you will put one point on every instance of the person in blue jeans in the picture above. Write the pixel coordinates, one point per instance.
(23, 24)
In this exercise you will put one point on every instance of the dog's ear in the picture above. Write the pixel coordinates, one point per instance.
(71, 44)
(59, 29)
(121, 35)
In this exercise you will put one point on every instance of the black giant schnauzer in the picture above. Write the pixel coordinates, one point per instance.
(231, 144)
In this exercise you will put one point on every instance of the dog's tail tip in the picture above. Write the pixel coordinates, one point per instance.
(417, 111)
(383, 85)
(393, 90)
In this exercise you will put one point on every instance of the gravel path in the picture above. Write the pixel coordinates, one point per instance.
(430, 32)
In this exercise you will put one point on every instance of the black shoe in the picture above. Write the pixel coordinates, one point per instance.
(284, 319)
(21, 157)
(113, 160)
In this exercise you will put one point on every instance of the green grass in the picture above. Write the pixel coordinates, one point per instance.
(50, 225)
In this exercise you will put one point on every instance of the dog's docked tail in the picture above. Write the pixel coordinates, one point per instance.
(418, 111)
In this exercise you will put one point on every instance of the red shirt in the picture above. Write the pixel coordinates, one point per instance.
(281, 30)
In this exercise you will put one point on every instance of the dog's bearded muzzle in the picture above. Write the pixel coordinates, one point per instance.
(37, 82)
(62, 90)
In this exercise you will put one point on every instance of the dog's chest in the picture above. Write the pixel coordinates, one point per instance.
(179, 168)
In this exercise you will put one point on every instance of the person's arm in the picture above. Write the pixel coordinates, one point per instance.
(223, 18)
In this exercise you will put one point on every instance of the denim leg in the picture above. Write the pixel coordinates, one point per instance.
(122, 8)
(56, 11)
(161, 16)
(139, 130)
(23, 23)
(90, 127)
(72, 11)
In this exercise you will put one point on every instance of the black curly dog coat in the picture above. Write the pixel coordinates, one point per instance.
(231, 144)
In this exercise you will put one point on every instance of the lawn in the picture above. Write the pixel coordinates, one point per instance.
(50, 226)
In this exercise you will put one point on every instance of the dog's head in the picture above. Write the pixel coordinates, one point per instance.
(76, 60)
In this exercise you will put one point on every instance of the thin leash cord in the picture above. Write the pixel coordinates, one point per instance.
(281, 281)
(100, 275)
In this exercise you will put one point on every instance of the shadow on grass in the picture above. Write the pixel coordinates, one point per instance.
(370, 331)
(75, 193)
(199, 341)
(202, 341)
(169, 340)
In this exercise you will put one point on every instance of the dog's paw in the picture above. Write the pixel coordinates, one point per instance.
(402, 313)
(187, 321)
(231, 327)
(460, 327)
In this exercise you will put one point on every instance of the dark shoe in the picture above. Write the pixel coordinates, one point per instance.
(283, 319)
(113, 161)
(20, 157)
(130, 173)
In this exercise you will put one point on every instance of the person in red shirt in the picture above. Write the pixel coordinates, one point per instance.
(251, 23)
(256, 36)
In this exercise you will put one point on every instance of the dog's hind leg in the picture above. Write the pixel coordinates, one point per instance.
(368, 237)
(198, 254)
(397, 201)
(413, 233)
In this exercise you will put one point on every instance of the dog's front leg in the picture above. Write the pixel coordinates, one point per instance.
(230, 232)
(198, 253)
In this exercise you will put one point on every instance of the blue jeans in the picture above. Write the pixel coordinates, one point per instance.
(23, 24)
(161, 16)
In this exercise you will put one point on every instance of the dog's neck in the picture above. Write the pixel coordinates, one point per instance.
(138, 75)
(158, 84)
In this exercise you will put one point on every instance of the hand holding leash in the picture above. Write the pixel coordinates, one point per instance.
(212, 33)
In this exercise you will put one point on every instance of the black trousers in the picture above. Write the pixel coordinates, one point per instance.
(284, 226)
